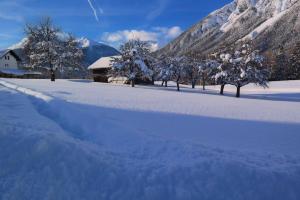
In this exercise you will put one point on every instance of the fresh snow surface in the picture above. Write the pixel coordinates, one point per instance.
(75, 139)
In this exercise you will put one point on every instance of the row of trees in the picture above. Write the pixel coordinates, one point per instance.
(237, 67)
(47, 49)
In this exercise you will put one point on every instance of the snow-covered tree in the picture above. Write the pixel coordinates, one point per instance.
(43, 46)
(171, 68)
(163, 67)
(132, 62)
(46, 50)
(222, 72)
(152, 63)
(193, 62)
(206, 68)
(247, 67)
(71, 55)
(177, 66)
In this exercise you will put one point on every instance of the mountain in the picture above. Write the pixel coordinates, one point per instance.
(92, 50)
(268, 23)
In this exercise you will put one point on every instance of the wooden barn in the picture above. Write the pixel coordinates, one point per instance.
(100, 70)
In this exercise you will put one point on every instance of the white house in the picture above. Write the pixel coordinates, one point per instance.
(10, 66)
(9, 60)
(101, 68)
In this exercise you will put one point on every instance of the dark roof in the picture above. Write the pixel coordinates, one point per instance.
(4, 52)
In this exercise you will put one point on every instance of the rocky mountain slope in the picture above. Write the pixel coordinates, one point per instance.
(268, 23)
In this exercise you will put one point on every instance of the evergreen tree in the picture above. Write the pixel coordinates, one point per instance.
(280, 69)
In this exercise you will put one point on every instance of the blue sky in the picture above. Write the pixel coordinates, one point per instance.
(110, 21)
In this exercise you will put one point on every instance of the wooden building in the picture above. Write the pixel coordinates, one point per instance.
(100, 71)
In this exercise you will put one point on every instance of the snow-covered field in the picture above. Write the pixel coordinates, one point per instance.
(75, 139)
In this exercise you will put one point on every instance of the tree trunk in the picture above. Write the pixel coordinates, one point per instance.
(52, 75)
(166, 83)
(203, 83)
(178, 87)
(132, 83)
(222, 89)
(238, 91)
(193, 84)
(162, 83)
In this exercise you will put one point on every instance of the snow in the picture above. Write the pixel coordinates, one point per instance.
(19, 45)
(278, 9)
(18, 72)
(86, 43)
(215, 19)
(102, 63)
(268, 23)
(75, 139)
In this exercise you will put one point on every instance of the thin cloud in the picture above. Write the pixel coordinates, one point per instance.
(10, 17)
(158, 36)
(162, 4)
(94, 10)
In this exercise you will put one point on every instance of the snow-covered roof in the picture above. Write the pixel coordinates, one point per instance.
(102, 63)
(5, 52)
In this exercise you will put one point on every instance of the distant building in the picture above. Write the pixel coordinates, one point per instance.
(11, 66)
(100, 71)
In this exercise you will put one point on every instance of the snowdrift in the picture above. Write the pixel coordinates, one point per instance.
(68, 150)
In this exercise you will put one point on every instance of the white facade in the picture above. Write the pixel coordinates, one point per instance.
(8, 61)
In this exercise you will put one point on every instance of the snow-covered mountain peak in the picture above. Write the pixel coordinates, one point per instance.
(19, 45)
(282, 5)
(84, 42)
(258, 20)
(87, 43)
(245, 4)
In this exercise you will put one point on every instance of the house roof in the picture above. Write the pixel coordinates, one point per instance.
(5, 52)
(102, 63)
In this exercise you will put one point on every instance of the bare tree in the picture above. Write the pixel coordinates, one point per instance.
(193, 62)
(43, 45)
